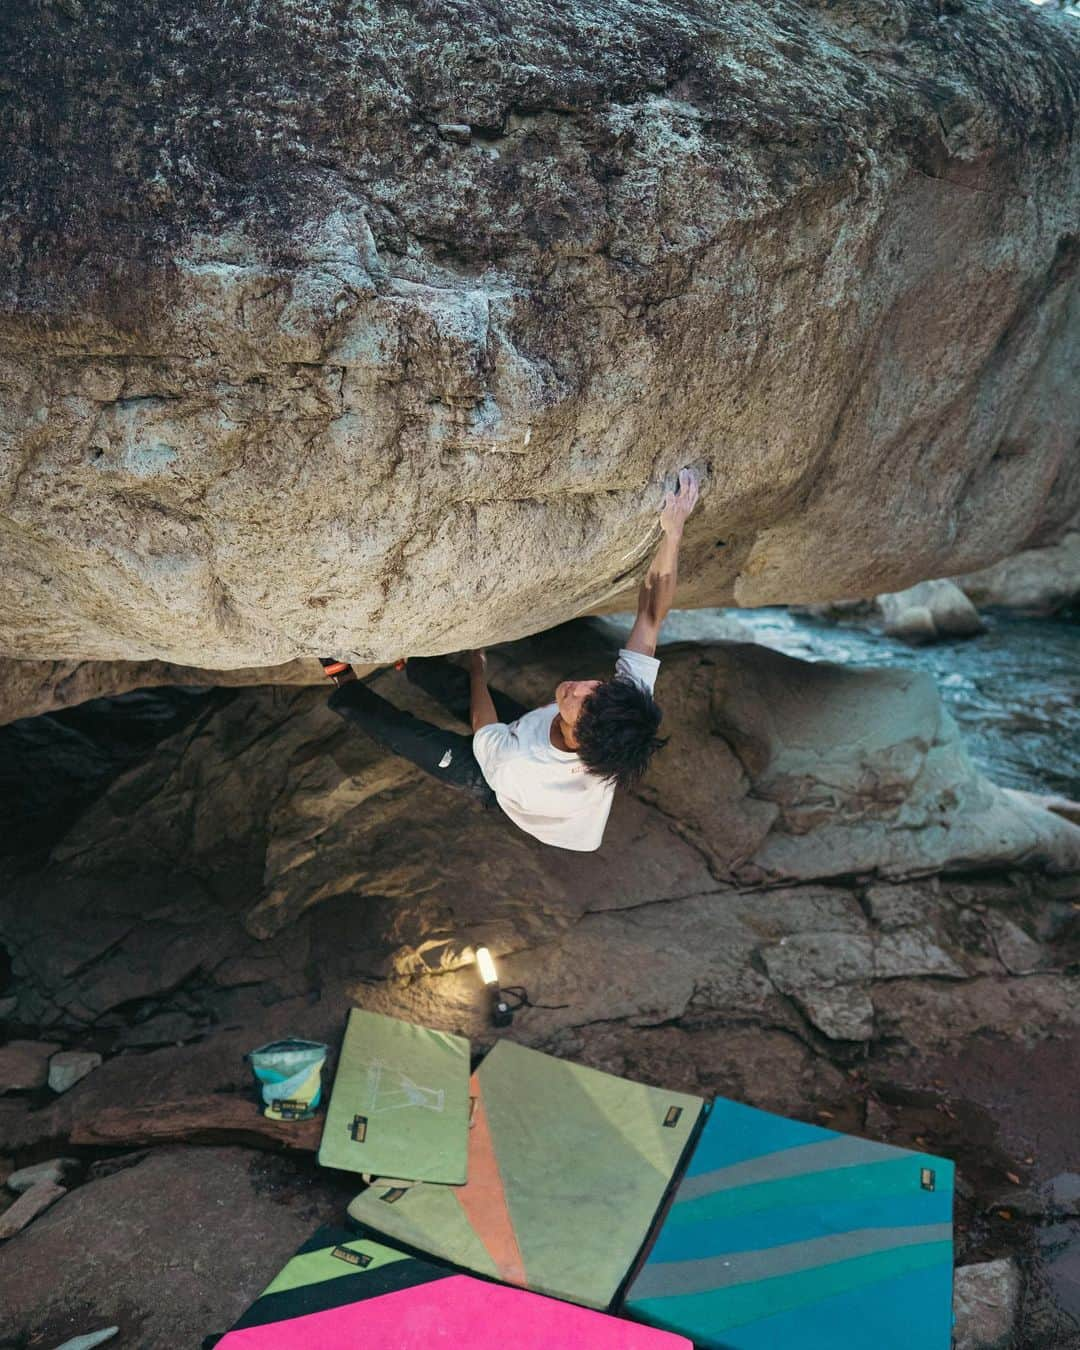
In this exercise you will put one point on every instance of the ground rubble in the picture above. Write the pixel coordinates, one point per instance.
(260, 870)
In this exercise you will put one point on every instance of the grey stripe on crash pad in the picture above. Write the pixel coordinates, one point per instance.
(665, 1279)
(843, 1151)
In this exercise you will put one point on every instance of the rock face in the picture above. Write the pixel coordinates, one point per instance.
(375, 331)
(1037, 581)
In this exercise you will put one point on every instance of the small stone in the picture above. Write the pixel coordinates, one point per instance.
(24, 1065)
(91, 1339)
(985, 1302)
(28, 1206)
(69, 1066)
(60, 1171)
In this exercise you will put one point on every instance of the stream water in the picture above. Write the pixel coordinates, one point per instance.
(1013, 690)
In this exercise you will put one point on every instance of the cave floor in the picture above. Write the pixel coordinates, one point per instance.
(939, 1013)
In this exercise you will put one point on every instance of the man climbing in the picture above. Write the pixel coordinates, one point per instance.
(554, 770)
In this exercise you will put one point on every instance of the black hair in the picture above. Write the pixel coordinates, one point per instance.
(616, 731)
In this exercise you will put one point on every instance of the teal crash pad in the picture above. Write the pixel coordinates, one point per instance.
(786, 1234)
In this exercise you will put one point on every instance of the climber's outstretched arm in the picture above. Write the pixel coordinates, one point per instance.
(657, 592)
(481, 708)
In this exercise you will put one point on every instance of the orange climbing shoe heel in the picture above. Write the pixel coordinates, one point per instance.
(334, 670)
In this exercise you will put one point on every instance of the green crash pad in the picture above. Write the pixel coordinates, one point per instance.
(567, 1169)
(400, 1102)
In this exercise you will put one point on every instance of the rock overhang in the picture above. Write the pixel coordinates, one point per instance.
(377, 333)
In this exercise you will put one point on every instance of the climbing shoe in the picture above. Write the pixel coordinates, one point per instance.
(338, 671)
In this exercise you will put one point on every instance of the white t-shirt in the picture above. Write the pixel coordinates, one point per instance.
(549, 793)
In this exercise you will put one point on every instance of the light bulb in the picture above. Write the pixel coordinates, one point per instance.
(486, 965)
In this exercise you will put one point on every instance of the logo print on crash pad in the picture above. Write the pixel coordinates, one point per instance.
(672, 1117)
(352, 1258)
(358, 1129)
(927, 1179)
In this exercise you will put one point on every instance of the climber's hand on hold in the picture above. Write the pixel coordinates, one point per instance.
(677, 505)
(658, 589)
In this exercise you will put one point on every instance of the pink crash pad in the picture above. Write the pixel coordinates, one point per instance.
(457, 1311)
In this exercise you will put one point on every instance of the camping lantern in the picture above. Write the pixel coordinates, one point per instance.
(501, 1012)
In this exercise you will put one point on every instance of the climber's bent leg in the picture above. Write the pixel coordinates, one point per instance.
(449, 685)
(444, 755)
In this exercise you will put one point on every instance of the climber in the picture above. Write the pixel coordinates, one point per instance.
(553, 770)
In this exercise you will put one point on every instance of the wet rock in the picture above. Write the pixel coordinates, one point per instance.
(24, 1065)
(1059, 1245)
(60, 1171)
(1016, 1201)
(930, 610)
(215, 1223)
(1034, 581)
(532, 319)
(1064, 1193)
(29, 1205)
(69, 1066)
(985, 1302)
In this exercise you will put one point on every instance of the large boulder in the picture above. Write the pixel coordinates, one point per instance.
(1036, 581)
(374, 330)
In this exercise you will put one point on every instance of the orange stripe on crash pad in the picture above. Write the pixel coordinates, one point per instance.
(484, 1200)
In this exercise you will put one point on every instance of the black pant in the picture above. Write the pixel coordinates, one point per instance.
(445, 755)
